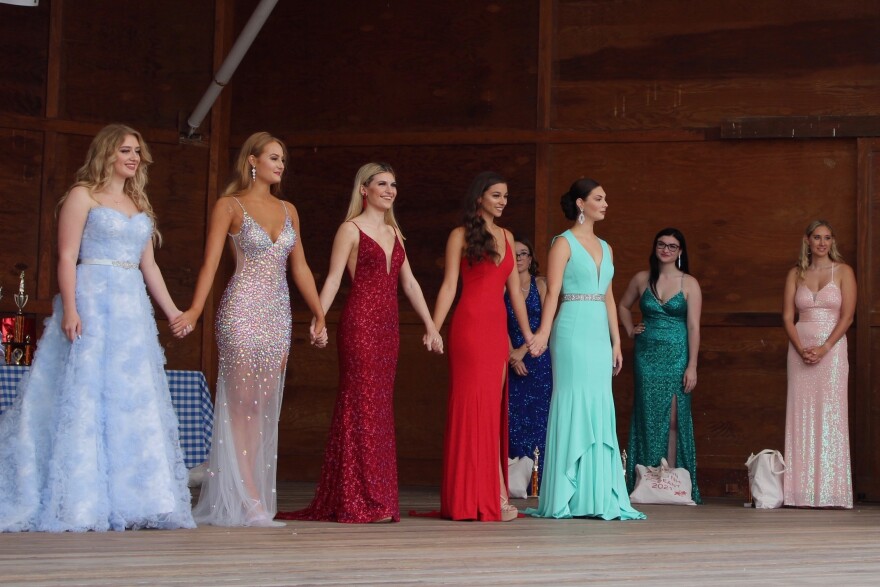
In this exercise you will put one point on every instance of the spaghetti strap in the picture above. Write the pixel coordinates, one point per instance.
(286, 213)
(240, 204)
(356, 225)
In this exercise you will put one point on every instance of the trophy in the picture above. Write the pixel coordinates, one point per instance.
(536, 454)
(623, 459)
(19, 329)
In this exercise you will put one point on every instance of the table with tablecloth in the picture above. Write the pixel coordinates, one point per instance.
(189, 394)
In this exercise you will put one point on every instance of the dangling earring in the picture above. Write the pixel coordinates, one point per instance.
(253, 174)
(679, 261)
(581, 217)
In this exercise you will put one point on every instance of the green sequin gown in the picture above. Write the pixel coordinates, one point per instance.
(661, 357)
(583, 472)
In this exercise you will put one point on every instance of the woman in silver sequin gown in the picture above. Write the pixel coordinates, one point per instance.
(253, 335)
(821, 290)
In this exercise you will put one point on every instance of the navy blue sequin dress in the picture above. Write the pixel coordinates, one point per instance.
(529, 395)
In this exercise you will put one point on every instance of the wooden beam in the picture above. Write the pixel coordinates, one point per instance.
(800, 127)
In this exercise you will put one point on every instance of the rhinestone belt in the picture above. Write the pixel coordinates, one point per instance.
(111, 262)
(583, 297)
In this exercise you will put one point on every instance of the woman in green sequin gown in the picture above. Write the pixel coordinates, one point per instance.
(583, 473)
(667, 342)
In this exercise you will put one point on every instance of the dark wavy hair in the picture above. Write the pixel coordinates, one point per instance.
(654, 263)
(578, 190)
(533, 264)
(479, 242)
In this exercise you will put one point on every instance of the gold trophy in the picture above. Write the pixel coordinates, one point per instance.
(536, 454)
(19, 329)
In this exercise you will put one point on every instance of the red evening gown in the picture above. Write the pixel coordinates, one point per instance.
(359, 475)
(475, 445)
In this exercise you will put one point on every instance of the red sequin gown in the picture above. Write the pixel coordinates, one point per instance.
(475, 444)
(359, 475)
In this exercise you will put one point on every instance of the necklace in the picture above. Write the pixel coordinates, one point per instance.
(813, 268)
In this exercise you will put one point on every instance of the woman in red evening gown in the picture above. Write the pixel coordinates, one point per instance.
(475, 446)
(359, 476)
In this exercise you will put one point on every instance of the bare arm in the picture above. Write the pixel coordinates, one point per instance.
(305, 283)
(71, 223)
(630, 296)
(156, 283)
(446, 295)
(613, 329)
(695, 309)
(220, 225)
(344, 243)
(788, 311)
(413, 292)
(560, 252)
(516, 297)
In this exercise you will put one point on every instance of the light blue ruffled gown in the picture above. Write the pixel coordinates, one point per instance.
(583, 472)
(91, 442)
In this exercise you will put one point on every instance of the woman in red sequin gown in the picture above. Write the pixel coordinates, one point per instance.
(474, 483)
(359, 476)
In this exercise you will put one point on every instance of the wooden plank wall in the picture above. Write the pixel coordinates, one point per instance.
(544, 91)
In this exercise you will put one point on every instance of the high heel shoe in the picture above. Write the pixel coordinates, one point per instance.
(508, 512)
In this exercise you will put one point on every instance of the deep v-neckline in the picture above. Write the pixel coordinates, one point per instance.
(501, 260)
(261, 227)
(388, 255)
(590, 255)
(661, 302)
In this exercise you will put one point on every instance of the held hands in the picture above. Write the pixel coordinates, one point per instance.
(432, 340)
(318, 336)
(183, 323)
(690, 379)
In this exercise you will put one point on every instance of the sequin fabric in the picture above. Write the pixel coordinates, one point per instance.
(253, 339)
(817, 457)
(660, 358)
(529, 396)
(359, 475)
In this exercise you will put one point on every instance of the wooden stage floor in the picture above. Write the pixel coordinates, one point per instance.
(720, 543)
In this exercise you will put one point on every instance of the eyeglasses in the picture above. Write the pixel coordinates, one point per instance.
(523, 254)
(671, 247)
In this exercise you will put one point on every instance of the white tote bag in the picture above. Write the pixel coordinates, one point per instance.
(765, 478)
(662, 485)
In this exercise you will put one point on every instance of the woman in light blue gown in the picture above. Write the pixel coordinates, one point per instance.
(91, 442)
(583, 473)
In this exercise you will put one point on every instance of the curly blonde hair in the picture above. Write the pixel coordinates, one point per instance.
(97, 171)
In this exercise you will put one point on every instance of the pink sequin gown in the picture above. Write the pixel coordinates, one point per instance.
(253, 340)
(359, 475)
(816, 422)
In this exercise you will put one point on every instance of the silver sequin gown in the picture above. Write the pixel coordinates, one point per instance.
(253, 339)
(818, 472)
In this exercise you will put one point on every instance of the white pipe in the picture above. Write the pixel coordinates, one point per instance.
(221, 78)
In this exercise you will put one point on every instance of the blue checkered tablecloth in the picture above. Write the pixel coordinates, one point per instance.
(189, 394)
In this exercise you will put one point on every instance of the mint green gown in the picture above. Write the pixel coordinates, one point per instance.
(583, 472)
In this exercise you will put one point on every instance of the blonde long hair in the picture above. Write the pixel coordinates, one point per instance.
(362, 179)
(804, 259)
(97, 171)
(242, 180)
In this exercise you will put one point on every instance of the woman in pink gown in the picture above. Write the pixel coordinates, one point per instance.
(359, 476)
(821, 290)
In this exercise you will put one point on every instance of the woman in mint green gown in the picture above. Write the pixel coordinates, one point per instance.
(583, 472)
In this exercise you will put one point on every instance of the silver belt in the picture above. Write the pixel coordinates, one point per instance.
(583, 297)
(110, 262)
